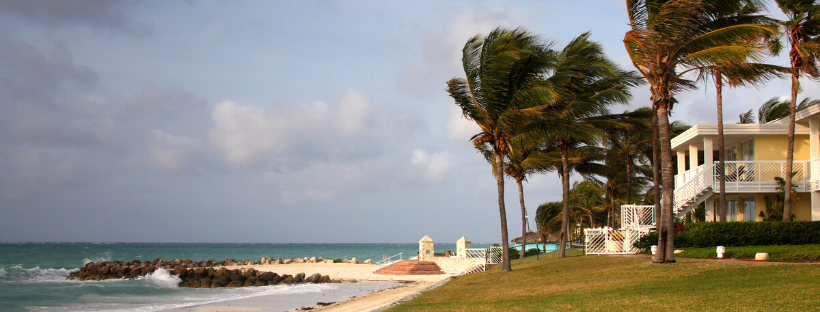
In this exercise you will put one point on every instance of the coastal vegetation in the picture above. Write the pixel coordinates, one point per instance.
(544, 110)
(586, 283)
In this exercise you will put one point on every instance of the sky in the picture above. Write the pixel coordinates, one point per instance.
(270, 121)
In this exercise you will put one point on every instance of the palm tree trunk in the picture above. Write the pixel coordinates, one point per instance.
(787, 199)
(562, 244)
(505, 245)
(628, 180)
(666, 232)
(721, 213)
(523, 219)
(656, 168)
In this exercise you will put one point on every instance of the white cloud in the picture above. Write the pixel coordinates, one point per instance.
(459, 128)
(249, 134)
(355, 114)
(434, 166)
(244, 133)
(171, 153)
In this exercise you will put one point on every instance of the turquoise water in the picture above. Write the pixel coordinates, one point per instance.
(32, 275)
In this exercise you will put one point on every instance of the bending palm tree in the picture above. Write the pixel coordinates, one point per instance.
(499, 68)
(803, 30)
(688, 35)
(587, 83)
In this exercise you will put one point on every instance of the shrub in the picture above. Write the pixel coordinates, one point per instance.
(704, 234)
(339, 260)
(647, 241)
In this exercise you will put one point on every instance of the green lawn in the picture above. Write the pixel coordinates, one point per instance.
(777, 253)
(602, 283)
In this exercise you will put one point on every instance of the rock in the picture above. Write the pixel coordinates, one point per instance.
(346, 261)
(299, 260)
(320, 259)
(205, 282)
(220, 281)
(249, 272)
(315, 278)
(237, 278)
(221, 272)
(328, 261)
(299, 278)
(762, 256)
(677, 251)
(178, 270)
(368, 261)
(354, 261)
(287, 279)
(266, 276)
(312, 260)
(324, 279)
(287, 261)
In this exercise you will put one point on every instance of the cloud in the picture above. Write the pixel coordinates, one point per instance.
(172, 153)
(459, 128)
(253, 135)
(102, 15)
(441, 53)
(434, 167)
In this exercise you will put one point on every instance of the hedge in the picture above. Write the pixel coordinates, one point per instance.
(733, 234)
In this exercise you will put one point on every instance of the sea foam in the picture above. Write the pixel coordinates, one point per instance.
(163, 278)
(34, 275)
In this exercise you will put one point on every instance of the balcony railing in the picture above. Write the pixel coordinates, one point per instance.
(756, 176)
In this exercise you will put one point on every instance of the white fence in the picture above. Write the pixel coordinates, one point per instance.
(475, 260)
(636, 221)
(608, 241)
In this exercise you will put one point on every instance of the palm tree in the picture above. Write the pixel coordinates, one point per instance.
(669, 40)
(774, 109)
(746, 118)
(522, 161)
(547, 218)
(587, 83)
(499, 68)
(587, 199)
(803, 30)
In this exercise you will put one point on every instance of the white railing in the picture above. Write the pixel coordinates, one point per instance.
(689, 191)
(389, 261)
(608, 241)
(637, 217)
(687, 175)
(478, 259)
(758, 176)
(814, 178)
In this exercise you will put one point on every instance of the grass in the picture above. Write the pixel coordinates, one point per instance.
(777, 253)
(602, 283)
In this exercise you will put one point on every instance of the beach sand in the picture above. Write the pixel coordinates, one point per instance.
(369, 292)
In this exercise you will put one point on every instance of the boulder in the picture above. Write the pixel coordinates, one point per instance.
(762, 256)
(368, 261)
(315, 278)
(324, 279)
(299, 278)
(237, 278)
(249, 272)
(299, 260)
(320, 259)
(287, 261)
(312, 260)
(265, 276)
(220, 281)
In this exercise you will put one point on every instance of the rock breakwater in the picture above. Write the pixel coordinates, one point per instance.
(198, 274)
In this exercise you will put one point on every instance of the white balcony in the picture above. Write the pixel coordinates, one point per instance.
(753, 176)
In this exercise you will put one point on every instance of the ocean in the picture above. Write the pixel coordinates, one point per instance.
(32, 275)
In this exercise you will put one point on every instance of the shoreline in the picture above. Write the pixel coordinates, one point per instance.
(360, 290)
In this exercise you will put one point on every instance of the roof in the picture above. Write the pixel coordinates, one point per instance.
(732, 133)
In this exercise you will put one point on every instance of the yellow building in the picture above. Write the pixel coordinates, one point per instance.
(755, 155)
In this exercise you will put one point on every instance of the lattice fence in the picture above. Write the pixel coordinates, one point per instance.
(637, 216)
(478, 259)
(611, 241)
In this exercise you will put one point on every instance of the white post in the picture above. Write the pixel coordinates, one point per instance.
(710, 208)
(814, 151)
(693, 157)
(681, 162)
(708, 160)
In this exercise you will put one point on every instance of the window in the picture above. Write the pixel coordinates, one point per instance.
(731, 153)
(749, 209)
(747, 150)
(731, 210)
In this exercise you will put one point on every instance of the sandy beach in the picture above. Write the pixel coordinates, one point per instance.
(361, 290)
